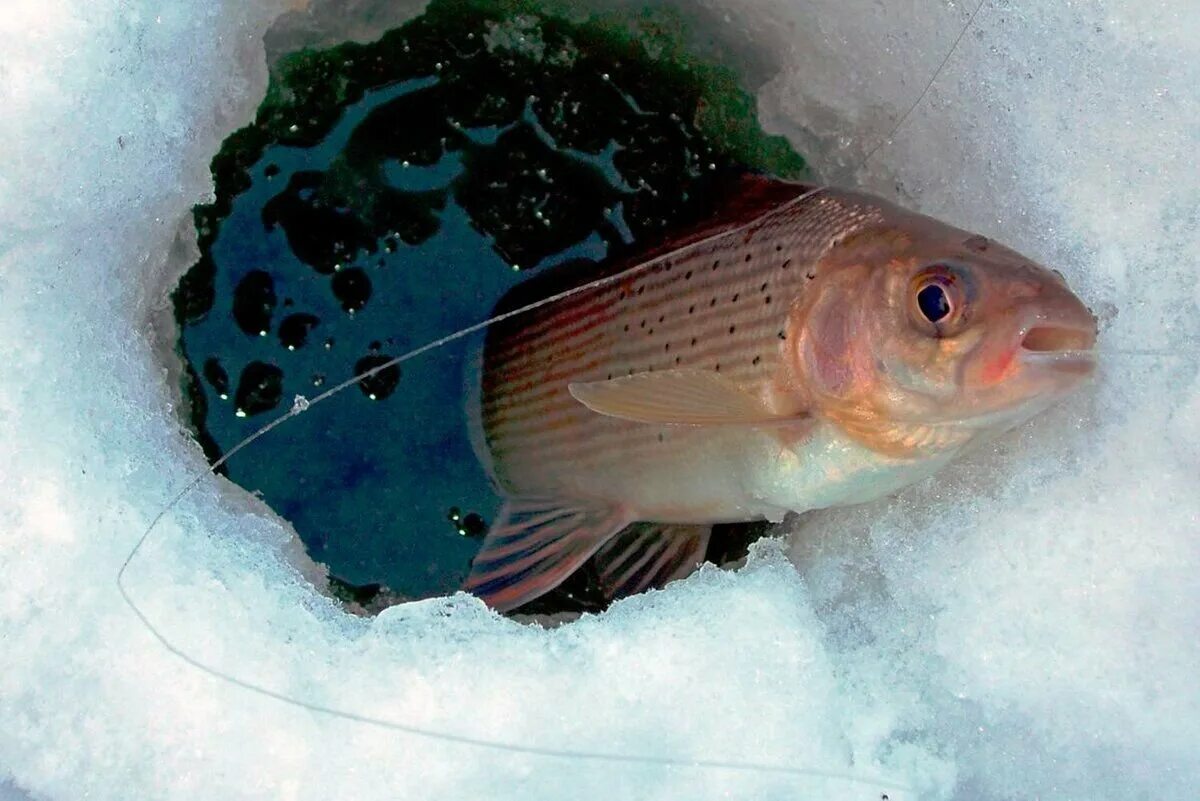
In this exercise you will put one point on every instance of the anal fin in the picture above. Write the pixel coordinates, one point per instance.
(650, 555)
(535, 544)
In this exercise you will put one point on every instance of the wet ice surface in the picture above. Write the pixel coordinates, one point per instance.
(1022, 627)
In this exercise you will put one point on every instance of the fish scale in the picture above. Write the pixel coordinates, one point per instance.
(721, 306)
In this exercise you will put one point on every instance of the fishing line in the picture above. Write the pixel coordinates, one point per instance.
(1067, 354)
(1145, 352)
(929, 85)
(302, 404)
(890, 137)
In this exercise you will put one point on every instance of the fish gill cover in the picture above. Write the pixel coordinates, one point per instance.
(389, 193)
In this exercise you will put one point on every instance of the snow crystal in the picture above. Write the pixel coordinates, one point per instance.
(1024, 626)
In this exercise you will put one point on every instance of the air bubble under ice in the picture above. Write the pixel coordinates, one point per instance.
(1022, 626)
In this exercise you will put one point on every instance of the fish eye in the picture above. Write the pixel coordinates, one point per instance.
(938, 298)
(933, 303)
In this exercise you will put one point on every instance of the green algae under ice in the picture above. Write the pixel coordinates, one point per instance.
(388, 194)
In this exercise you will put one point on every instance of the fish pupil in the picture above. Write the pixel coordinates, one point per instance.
(933, 303)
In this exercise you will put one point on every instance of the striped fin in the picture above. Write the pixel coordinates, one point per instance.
(650, 555)
(535, 544)
(676, 397)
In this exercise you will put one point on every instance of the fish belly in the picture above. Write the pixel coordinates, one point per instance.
(681, 474)
(667, 474)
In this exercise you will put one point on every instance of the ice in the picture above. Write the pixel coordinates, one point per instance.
(1023, 626)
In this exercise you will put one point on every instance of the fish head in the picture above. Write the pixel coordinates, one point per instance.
(913, 324)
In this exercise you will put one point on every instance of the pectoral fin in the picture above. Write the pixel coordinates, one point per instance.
(679, 397)
(535, 544)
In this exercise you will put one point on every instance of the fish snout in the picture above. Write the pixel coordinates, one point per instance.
(1059, 333)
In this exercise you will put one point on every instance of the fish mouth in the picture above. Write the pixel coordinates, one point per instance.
(1057, 338)
(1062, 348)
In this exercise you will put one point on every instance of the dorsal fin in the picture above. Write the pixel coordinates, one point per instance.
(731, 201)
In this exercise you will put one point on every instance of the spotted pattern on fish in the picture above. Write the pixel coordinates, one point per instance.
(721, 305)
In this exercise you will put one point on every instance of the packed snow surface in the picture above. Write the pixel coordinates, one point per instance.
(1023, 626)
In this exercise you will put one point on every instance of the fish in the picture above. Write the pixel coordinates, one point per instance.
(806, 347)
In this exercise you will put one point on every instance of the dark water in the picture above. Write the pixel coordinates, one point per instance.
(389, 194)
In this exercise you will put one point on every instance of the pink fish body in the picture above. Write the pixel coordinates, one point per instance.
(810, 348)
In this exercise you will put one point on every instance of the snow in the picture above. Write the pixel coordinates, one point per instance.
(1022, 626)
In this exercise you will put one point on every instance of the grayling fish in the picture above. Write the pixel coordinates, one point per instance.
(808, 348)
